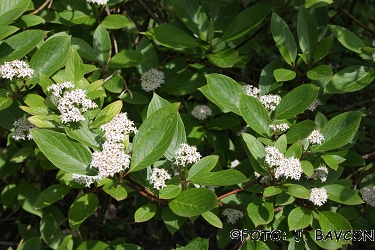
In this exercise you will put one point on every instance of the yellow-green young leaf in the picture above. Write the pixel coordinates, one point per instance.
(224, 59)
(333, 222)
(172, 221)
(27, 195)
(297, 191)
(169, 192)
(115, 21)
(320, 72)
(50, 230)
(115, 189)
(145, 213)
(192, 202)
(83, 207)
(204, 165)
(74, 67)
(67, 243)
(65, 153)
(307, 33)
(93, 244)
(308, 168)
(50, 195)
(34, 100)
(342, 194)
(45, 121)
(102, 45)
(283, 75)
(260, 211)
(281, 144)
(7, 31)
(83, 134)
(300, 131)
(221, 178)
(212, 218)
(317, 3)
(105, 115)
(272, 190)
(299, 218)
(126, 59)
(294, 150)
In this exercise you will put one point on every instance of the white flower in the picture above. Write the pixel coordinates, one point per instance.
(22, 129)
(234, 163)
(315, 104)
(186, 154)
(270, 102)
(86, 179)
(158, 177)
(118, 128)
(368, 195)
(279, 128)
(315, 137)
(16, 68)
(152, 80)
(201, 112)
(273, 156)
(251, 90)
(232, 215)
(101, 2)
(318, 196)
(321, 173)
(57, 88)
(289, 167)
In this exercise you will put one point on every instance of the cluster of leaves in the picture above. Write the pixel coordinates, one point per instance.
(207, 58)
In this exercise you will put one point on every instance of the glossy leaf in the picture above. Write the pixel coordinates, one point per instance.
(126, 58)
(145, 213)
(342, 194)
(299, 218)
(105, 115)
(212, 219)
(115, 21)
(27, 195)
(50, 195)
(102, 45)
(347, 38)
(324, 47)
(297, 191)
(169, 192)
(83, 207)
(115, 189)
(260, 212)
(221, 178)
(283, 75)
(74, 67)
(300, 131)
(307, 33)
(204, 165)
(333, 222)
(224, 59)
(320, 72)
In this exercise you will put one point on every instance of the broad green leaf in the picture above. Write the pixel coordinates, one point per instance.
(192, 202)
(126, 59)
(320, 72)
(116, 190)
(154, 137)
(8, 195)
(296, 101)
(339, 131)
(93, 244)
(255, 146)
(184, 83)
(350, 79)
(179, 40)
(172, 221)
(106, 115)
(272, 190)
(255, 115)
(347, 38)
(299, 218)
(317, 3)
(50, 57)
(83, 49)
(193, 16)
(207, 93)
(45, 121)
(156, 103)
(12, 113)
(115, 21)
(27, 195)
(333, 222)
(50, 230)
(169, 192)
(204, 165)
(179, 137)
(66, 243)
(281, 144)
(34, 100)
(260, 211)
(212, 218)
(284, 37)
(197, 243)
(147, 49)
(33, 243)
(324, 47)
(74, 67)
(83, 207)
(145, 213)
(258, 245)
(247, 20)
(29, 21)
(36, 110)
(102, 45)
(297, 191)
(115, 84)
(50, 195)
(221, 178)
(6, 31)
(5, 99)
(300, 131)
(65, 153)
(21, 155)
(308, 168)
(283, 75)
(342, 194)
(267, 81)
(224, 59)
(352, 158)
(224, 121)
(294, 150)
(307, 33)
(83, 134)
(330, 161)
(7, 5)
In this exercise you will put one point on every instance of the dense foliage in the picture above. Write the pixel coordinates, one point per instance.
(187, 124)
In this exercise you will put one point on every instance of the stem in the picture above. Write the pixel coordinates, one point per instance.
(239, 189)
(40, 8)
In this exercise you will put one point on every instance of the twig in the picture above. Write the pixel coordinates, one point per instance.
(152, 14)
(25, 233)
(57, 227)
(357, 21)
(142, 191)
(126, 88)
(360, 178)
(40, 8)
(239, 189)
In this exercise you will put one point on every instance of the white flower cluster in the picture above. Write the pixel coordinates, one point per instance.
(251, 90)
(368, 195)
(279, 128)
(232, 215)
(118, 128)
(186, 154)
(101, 2)
(72, 103)
(234, 163)
(16, 68)
(201, 112)
(152, 80)
(269, 101)
(22, 129)
(158, 177)
(320, 173)
(266, 180)
(86, 179)
(315, 104)
(318, 196)
(315, 137)
(212, 188)
(288, 167)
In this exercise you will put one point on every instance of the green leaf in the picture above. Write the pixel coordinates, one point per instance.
(93, 244)
(116, 190)
(74, 67)
(44, 121)
(66, 243)
(156, 103)
(339, 131)
(29, 21)
(145, 213)
(330, 161)
(169, 192)
(192, 202)
(272, 190)
(352, 158)
(197, 243)
(308, 168)
(255, 146)
(50, 57)
(102, 45)
(83, 49)
(6, 31)
(184, 83)
(27, 195)
(294, 150)
(283, 75)
(317, 3)
(8, 195)
(342, 195)
(324, 47)
(34, 100)
(21, 155)
(226, 177)
(284, 38)
(212, 219)
(33, 243)
(193, 16)
(297, 191)
(259, 245)
(307, 33)
(224, 59)
(83, 207)
(50, 195)
(260, 211)
(300, 130)
(350, 79)
(204, 165)
(296, 101)
(347, 38)
(147, 49)
(154, 137)
(115, 21)
(7, 5)
(50, 230)
(172, 221)
(255, 115)
(179, 137)
(83, 134)
(179, 40)
(65, 153)
(320, 72)
(333, 222)
(281, 144)
(299, 218)
(105, 115)
(247, 20)
(12, 113)
(126, 59)
(5, 101)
